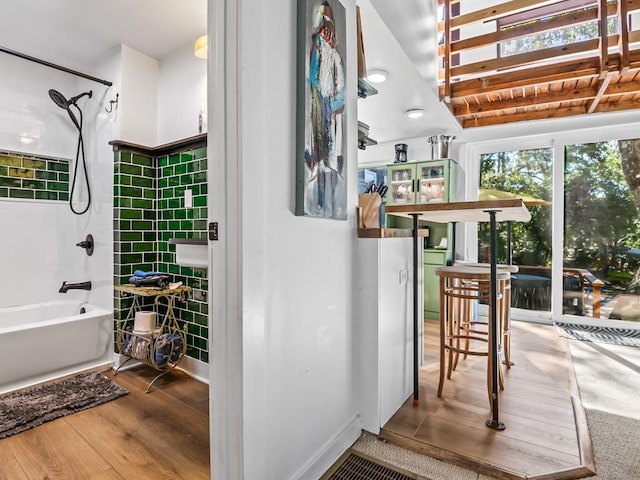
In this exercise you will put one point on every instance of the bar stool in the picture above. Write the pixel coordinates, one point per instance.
(504, 305)
(460, 287)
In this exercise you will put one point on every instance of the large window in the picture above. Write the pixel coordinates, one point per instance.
(602, 229)
(599, 228)
(526, 174)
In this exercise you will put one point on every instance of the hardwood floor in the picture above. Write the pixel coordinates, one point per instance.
(165, 434)
(546, 435)
(160, 435)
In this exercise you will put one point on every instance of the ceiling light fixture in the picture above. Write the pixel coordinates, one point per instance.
(201, 47)
(415, 113)
(377, 76)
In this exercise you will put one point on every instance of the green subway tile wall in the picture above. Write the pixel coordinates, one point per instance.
(150, 210)
(27, 177)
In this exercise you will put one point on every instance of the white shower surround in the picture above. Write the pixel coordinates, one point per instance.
(38, 247)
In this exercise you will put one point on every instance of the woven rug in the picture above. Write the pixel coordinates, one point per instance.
(591, 333)
(29, 408)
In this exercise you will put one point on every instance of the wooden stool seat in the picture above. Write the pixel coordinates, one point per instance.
(504, 306)
(460, 332)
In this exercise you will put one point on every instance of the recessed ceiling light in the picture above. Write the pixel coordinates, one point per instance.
(415, 113)
(377, 76)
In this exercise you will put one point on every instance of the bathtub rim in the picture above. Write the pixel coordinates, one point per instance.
(93, 311)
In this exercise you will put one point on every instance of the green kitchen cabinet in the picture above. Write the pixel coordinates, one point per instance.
(401, 179)
(435, 181)
(430, 181)
(422, 182)
(432, 259)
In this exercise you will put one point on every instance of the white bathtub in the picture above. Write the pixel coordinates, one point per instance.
(45, 341)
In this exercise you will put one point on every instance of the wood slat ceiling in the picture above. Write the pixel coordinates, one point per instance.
(582, 78)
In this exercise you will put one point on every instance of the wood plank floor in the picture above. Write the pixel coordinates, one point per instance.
(546, 435)
(160, 435)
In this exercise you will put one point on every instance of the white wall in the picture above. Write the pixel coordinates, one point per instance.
(182, 92)
(138, 103)
(298, 278)
(418, 149)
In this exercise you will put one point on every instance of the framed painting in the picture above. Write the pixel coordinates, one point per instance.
(321, 113)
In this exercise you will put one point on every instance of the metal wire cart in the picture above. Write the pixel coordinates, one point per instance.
(163, 346)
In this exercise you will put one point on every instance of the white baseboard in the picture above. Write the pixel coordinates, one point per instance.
(195, 368)
(327, 456)
(192, 367)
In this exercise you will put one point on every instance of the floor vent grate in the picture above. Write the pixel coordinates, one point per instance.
(356, 466)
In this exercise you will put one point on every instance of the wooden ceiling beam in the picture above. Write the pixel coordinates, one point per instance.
(572, 95)
(539, 75)
(592, 76)
(526, 77)
(586, 47)
(595, 94)
(523, 116)
(618, 106)
(623, 88)
(632, 5)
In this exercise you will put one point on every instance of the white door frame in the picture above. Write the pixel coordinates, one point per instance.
(225, 254)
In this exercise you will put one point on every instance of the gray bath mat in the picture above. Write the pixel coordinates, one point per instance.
(29, 408)
(591, 333)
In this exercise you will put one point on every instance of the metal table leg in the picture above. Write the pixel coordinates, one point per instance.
(416, 349)
(494, 422)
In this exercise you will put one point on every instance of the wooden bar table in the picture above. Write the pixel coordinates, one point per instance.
(491, 211)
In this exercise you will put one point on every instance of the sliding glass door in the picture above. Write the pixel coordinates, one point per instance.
(602, 228)
(599, 201)
(526, 174)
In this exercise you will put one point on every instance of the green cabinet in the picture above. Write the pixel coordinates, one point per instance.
(421, 182)
(425, 182)
(401, 179)
(432, 259)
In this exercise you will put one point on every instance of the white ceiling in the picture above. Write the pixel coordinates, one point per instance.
(399, 36)
(77, 33)
(412, 82)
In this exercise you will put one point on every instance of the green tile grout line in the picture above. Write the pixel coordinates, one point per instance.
(149, 210)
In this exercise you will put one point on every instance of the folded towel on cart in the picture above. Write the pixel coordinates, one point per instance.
(158, 280)
(140, 273)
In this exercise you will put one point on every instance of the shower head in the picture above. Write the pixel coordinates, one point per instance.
(58, 98)
(61, 101)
